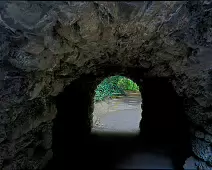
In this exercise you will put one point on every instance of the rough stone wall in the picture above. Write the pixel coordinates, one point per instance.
(44, 46)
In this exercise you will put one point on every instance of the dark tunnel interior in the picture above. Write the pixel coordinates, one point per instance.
(55, 54)
(163, 126)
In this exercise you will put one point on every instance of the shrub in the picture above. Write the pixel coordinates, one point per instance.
(114, 86)
(127, 84)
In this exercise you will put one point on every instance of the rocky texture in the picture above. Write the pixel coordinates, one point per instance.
(201, 149)
(58, 42)
(192, 163)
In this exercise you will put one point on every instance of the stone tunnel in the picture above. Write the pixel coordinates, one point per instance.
(54, 54)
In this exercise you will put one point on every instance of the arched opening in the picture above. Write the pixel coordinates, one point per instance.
(163, 128)
(53, 58)
(117, 106)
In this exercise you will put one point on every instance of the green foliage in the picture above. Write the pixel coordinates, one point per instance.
(114, 86)
(127, 84)
(108, 88)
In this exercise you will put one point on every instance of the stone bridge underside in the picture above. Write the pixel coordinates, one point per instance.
(53, 54)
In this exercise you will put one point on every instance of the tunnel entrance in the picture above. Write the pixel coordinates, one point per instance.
(163, 128)
(117, 106)
(53, 58)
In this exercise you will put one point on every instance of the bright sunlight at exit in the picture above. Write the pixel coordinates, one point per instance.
(117, 106)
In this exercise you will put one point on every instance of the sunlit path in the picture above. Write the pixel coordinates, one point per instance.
(122, 115)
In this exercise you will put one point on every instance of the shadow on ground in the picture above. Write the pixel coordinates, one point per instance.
(123, 150)
(117, 151)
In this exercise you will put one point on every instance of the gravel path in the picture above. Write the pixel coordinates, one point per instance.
(120, 121)
(119, 115)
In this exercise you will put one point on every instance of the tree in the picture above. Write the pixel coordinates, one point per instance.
(114, 86)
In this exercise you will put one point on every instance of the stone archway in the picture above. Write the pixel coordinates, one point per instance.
(162, 125)
(60, 41)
